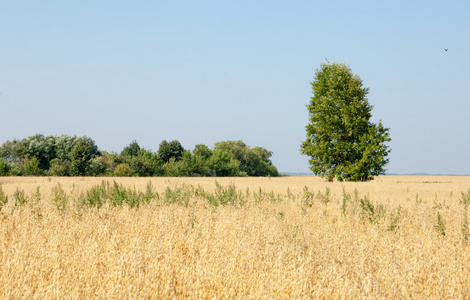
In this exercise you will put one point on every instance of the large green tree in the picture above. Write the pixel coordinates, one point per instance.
(342, 142)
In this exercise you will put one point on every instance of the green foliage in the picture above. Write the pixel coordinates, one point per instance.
(131, 150)
(4, 167)
(31, 167)
(20, 197)
(203, 151)
(259, 196)
(395, 220)
(16, 169)
(64, 145)
(222, 165)
(179, 195)
(45, 149)
(464, 228)
(117, 195)
(3, 198)
(440, 227)
(96, 196)
(60, 197)
(98, 166)
(324, 198)
(465, 200)
(153, 164)
(418, 200)
(308, 197)
(346, 199)
(42, 148)
(341, 141)
(35, 209)
(123, 170)
(225, 195)
(371, 212)
(252, 161)
(189, 165)
(196, 164)
(80, 158)
(150, 194)
(13, 151)
(168, 150)
(59, 167)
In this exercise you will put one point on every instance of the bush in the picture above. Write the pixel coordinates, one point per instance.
(59, 168)
(98, 166)
(31, 167)
(123, 170)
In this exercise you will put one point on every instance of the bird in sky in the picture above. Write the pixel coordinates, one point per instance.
(446, 49)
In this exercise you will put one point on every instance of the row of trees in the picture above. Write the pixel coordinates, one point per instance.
(79, 156)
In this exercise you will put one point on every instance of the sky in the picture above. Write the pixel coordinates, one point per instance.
(203, 72)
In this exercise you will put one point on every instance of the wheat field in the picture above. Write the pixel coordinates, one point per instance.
(295, 237)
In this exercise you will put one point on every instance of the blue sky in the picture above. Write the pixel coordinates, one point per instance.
(210, 71)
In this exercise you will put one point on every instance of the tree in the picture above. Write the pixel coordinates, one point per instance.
(4, 167)
(341, 141)
(169, 150)
(13, 151)
(31, 167)
(45, 149)
(152, 163)
(222, 165)
(131, 150)
(203, 151)
(59, 167)
(81, 157)
(253, 161)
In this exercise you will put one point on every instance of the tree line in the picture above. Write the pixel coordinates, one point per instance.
(65, 155)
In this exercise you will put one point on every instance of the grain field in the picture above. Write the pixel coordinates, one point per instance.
(295, 237)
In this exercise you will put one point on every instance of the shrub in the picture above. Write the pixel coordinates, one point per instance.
(59, 168)
(96, 196)
(180, 195)
(20, 198)
(98, 166)
(60, 197)
(123, 170)
(31, 167)
(440, 227)
(370, 211)
(225, 195)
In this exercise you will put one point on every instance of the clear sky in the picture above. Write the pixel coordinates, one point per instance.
(209, 71)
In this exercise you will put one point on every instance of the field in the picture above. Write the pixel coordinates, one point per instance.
(245, 238)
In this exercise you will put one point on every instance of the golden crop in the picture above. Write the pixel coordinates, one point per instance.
(289, 237)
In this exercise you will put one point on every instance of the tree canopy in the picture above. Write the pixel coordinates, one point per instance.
(342, 142)
(79, 156)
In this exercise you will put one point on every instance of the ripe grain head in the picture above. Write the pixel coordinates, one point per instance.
(276, 247)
